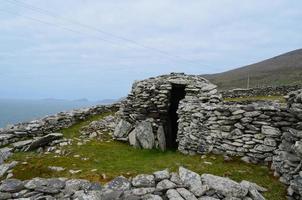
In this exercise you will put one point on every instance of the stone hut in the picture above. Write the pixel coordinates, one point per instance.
(148, 117)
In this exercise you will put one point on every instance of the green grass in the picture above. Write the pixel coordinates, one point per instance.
(280, 99)
(112, 158)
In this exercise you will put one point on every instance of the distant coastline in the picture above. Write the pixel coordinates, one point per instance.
(14, 111)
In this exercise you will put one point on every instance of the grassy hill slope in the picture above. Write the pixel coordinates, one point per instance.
(284, 69)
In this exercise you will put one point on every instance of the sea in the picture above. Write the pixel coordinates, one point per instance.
(13, 111)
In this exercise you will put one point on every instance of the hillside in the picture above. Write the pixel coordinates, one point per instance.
(285, 69)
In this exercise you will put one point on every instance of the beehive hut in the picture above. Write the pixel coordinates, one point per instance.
(148, 117)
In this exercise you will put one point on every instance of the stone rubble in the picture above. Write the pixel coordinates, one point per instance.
(97, 128)
(161, 185)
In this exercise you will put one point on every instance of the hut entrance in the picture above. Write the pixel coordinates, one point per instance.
(177, 94)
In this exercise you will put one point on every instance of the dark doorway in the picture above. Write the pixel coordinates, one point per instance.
(177, 94)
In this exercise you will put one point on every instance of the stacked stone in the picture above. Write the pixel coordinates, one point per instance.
(145, 110)
(97, 128)
(250, 130)
(185, 185)
(49, 124)
(262, 91)
(287, 162)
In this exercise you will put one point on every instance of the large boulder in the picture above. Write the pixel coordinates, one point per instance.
(144, 135)
(224, 186)
(43, 141)
(122, 129)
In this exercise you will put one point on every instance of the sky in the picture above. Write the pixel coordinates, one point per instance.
(95, 49)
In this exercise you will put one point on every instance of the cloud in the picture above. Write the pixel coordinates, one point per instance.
(191, 36)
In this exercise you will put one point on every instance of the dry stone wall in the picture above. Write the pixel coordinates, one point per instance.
(261, 91)
(258, 132)
(49, 124)
(144, 113)
(161, 185)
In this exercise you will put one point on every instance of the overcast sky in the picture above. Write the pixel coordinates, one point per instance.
(46, 49)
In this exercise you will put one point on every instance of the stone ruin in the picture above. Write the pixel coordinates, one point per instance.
(186, 112)
(148, 116)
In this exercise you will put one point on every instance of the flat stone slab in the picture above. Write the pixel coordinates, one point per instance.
(40, 142)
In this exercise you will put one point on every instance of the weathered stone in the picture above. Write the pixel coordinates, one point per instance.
(142, 191)
(132, 139)
(119, 183)
(172, 194)
(186, 194)
(143, 180)
(144, 135)
(122, 129)
(191, 179)
(11, 185)
(90, 195)
(165, 185)
(21, 144)
(270, 131)
(151, 197)
(41, 142)
(224, 186)
(298, 148)
(264, 148)
(161, 138)
(4, 154)
(6, 167)
(160, 175)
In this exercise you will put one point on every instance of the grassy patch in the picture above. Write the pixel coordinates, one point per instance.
(103, 160)
(280, 99)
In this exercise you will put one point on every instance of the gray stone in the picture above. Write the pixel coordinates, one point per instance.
(172, 194)
(143, 180)
(76, 184)
(176, 179)
(132, 139)
(151, 197)
(207, 198)
(264, 148)
(4, 168)
(160, 175)
(224, 186)
(11, 185)
(191, 179)
(142, 191)
(4, 154)
(186, 194)
(270, 131)
(119, 183)
(21, 144)
(144, 134)
(270, 142)
(161, 138)
(90, 195)
(165, 185)
(43, 141)
(298, 148)
(122, 129)
(35, 182)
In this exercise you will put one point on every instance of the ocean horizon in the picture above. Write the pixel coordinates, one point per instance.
(14, 111)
